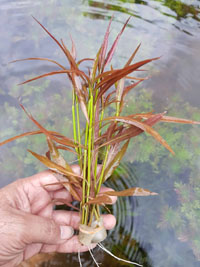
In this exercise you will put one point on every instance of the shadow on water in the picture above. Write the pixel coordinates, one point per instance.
(157, 231)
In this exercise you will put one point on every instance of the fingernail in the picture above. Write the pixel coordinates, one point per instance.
(66, 232)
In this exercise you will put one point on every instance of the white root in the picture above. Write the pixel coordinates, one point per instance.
(117, 258)
(97, 264)
(79, 258)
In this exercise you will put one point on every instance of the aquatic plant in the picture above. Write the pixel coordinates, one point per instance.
(184, 219)
(100, 145)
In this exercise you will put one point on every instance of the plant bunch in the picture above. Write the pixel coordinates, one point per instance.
(102, 143)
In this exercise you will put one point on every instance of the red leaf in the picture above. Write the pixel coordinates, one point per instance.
(100, 200)
(143, 127)
(112, 50)
(116, 75)
(53, 166)
(63, 141)
(133, 55)
(104, 46)
(66, 52)
(40, 58)
(64, 201)
(134, 191)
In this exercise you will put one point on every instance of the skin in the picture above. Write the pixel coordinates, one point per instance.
(29, 225)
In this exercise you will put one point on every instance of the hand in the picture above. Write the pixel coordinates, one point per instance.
(29, 225)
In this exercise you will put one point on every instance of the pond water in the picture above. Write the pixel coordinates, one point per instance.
(159, 231)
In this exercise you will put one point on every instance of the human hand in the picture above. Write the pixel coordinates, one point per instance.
(29, 225)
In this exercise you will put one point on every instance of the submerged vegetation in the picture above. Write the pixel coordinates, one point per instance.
(185, 217)
(99, 145)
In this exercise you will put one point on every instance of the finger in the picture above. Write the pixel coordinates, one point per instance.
(37, 229)
(46, 211)
(61, 193)
(109, 221)
(104, 189)
(46, 178)
(43, 179)
(31, 250)
(70, 246)
(74, 245)
(76, 168)
(72, 218)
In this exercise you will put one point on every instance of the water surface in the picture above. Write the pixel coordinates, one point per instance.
(155, 231)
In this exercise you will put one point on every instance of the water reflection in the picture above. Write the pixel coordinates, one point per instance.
(157, 12)
(157, 231)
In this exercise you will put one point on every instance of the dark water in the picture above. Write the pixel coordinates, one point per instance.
(160, 231)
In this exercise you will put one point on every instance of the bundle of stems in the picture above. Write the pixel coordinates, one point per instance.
(93, 93)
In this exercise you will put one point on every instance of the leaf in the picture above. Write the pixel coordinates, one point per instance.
(128, 88)
(69, 56)
(53, 166)
(112, 50)
(74, 66)
(64, 140)
(168, 119)
(132, 131)
(111, 129)
(133, 55)
(125, 92)
(67, 149)
(100, 200)
(94, 67)
(108, 96)
(137, 78)
(68, 186)
(55, 155)
(73, 192)
(112, 165)
(66, 52)
(20, 136)
(52, 148)
(84, 59)
(50, 74)
(73, 49)
(120, 73)
(40, 58)
(178, 120)
(134, 191)
(64, 201)
(104, 46)
(120, 89)
(116, 75)
(55, 134)
(78, 89)
(143, 127)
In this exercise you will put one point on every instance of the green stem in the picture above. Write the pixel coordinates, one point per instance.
(91, 215)
(117, 109)
(74, 119)
(103, 169)
(97, 214)
(101, 119)
(84, 209)
(90, 145)
(79, 133)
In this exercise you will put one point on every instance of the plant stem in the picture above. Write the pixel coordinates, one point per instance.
(74, 118)
(79, 133)
(83, 208)
(101, 119)
(103, 169)
(89, 145)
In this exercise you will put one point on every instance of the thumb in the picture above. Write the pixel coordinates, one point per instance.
(43, 230)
